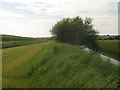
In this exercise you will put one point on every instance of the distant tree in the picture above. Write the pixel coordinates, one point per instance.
(116, 38)
(110, 38)
(76, 31)
(100, 39)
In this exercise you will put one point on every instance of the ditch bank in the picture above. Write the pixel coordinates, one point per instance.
(113, 61)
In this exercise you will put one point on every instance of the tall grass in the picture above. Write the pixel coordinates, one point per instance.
(56, 65)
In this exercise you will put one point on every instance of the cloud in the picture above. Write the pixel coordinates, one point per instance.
(26, 27)
(60, 7)
(66, 7)
(43, 14)
(106, 24)
(10, 14)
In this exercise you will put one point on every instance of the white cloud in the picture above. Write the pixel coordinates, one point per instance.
(26, 27)
(102, 12)
(9, 14)
(60, 7)
(106, 24)
(65, 7)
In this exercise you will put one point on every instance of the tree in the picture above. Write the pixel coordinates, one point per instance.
(76, 31)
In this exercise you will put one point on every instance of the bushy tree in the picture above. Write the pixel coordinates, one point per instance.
(76, 31)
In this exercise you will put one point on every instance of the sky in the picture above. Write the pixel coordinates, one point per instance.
(35, 18)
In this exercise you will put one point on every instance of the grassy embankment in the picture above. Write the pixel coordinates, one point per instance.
(13, 41)
(53, 65)
(109, 48)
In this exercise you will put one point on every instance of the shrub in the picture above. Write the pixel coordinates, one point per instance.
(76, 31)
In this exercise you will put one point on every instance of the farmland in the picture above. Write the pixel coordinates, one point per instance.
(56, 65)
(14, 38)
(109, 48)
(13, 41)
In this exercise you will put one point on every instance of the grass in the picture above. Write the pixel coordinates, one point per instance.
(109, 48)
(0, 68)
(56, 65)
(9, 44)
(13, 41)
(14, 38)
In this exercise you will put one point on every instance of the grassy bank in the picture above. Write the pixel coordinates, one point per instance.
(109, 48)
(56, 65)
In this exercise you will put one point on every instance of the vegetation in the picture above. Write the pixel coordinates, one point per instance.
(21, 43)
(56, 65)
(13, 41)
(109, 48)
(108, 37)
(15, 38)
(76, 31)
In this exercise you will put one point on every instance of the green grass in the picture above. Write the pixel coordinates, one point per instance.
(56, 65)
(21, 43)
(0, 68)
(14, 38)
(109, 48)
(13, 41)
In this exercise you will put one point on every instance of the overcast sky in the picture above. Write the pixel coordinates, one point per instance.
(35, 18)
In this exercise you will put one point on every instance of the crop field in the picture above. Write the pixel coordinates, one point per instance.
(109, 48)
(56, 65)
(13, 41)
(9, 44)
(14, 38)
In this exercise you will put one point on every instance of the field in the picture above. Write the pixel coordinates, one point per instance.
(14, 38)
(56, 65)
(8, 44)
(13, 41)
(109, 48)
